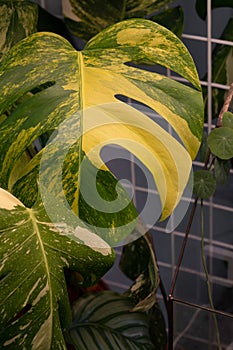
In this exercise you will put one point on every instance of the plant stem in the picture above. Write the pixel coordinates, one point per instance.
(224, 109)
(170, 296)
(183, 247)
(225, 106)
(207, 277)
(161, 285)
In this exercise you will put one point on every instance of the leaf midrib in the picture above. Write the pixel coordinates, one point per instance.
(44, 258)
(82, 106)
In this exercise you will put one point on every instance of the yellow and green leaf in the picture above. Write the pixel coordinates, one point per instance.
(76, 83)
(47, 86)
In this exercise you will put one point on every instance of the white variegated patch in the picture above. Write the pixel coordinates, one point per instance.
(8, 201)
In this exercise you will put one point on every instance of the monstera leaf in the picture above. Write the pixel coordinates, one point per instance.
(18, 19)
(86, 19)
(34, 252)
(105, 321)
(77, 97)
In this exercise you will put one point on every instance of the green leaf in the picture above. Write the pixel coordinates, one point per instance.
(105, 321)
(34, 305)
(86, 19)
(222, 170)
(227, 120)
(18, 19)
(113, 226)
(157, 328)
(78, 86)
(201, 6)
(138, 262)
(139, 8)
(204, 184)
(220, 141)
(48, 22)
(204, 147)
(172, 19)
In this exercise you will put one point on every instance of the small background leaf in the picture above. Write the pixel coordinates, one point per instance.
(204, 184)
(204, 147)
(158, 331)
(106, 321)
(227, 119)
(85, 19)
(172, 19)
(222, 170)
(201, 6)
(18, 19)
(220, 141)
(222, 72)
(138, 263)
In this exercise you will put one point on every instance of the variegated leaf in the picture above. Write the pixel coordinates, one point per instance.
(87, 18)
(18, 19)
(80, 84)
(138, 263)
(34, 252)
(112, 226)
(106, 321)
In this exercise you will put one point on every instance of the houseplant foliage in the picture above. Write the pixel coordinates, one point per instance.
(34, 301)
(18, 20)
(221, 70)
(201, 6)
(221, 57)
(219, 153)
(86, 19)
(127, 333)
(36, 101)
(217, 150)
